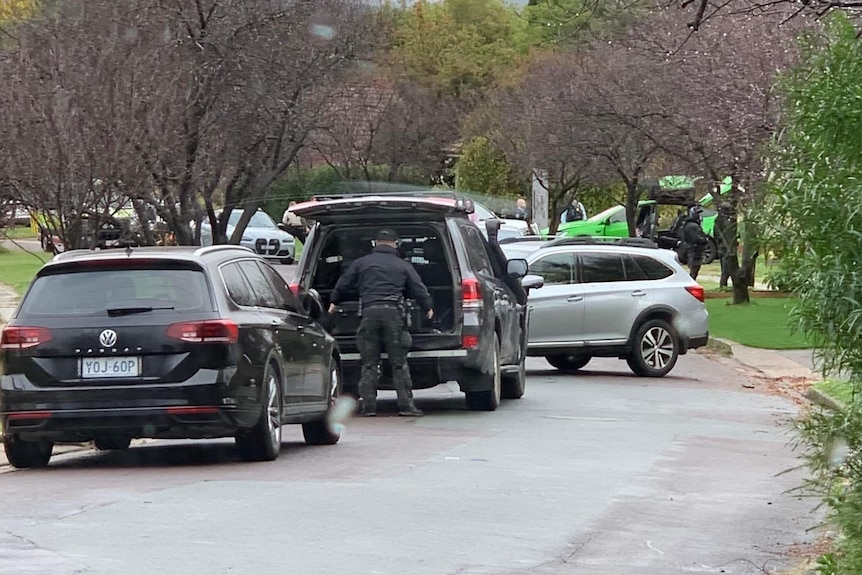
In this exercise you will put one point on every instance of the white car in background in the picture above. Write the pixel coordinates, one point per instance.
(262, 236)
(509, 227)
(622, 298)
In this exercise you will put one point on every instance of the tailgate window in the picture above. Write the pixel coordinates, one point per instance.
(426, 247)
(94, 291)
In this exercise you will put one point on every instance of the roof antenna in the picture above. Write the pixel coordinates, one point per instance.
(128, 250)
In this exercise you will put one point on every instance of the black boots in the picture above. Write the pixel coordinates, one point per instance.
(410, 411)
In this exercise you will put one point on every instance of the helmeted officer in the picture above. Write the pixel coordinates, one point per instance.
(694, 240)
(383, 280)
(723, 234)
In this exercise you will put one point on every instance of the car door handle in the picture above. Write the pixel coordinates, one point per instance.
(575, 298)
(638, 293)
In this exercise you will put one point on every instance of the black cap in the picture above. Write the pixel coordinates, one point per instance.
(387, 235)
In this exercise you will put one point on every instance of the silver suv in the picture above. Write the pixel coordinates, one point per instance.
(624, 298)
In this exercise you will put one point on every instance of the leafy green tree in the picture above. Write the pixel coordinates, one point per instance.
(817, 196)
(12, 11)
(562, 22)
(482, 168)
(450, 47)
(817, 193)
(558, 21)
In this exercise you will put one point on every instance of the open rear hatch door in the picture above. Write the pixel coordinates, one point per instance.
(380, 208)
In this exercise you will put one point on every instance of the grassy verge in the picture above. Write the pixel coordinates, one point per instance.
(760, 270)
(18, 233)
(763, 323)
(17, 268)
(836, 389)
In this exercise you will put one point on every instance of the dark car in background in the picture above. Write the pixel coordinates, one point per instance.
(478, 335)
(175, 343)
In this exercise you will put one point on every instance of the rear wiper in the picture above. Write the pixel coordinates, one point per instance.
(114, 312)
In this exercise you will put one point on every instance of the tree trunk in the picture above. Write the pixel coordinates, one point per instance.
(633, 196)
(739, 275)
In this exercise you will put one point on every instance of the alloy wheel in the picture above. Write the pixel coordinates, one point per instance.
(657, 347)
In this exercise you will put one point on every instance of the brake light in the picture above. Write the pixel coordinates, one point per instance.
(696, 291)
(15, 337)
(19, 415)
(211, 331)
(471, 293)
(295, 289)
(470, 341)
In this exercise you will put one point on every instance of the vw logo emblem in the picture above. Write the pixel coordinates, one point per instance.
(108, 338)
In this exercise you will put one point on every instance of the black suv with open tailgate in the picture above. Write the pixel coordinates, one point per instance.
(477, 336)
(163, 343)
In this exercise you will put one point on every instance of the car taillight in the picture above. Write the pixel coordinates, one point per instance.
(211, 331)
(15, 337)
(696, 291)
(470, 341)
(19, 415)
(295, 289)
(471, 293)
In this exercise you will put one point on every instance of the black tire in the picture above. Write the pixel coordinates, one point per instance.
(23, 454)
(112, 443)
(655, 349)
(324, 431)
(710, 252)
(515, 384)
(568, 361)
(489, 399)
(263, 441)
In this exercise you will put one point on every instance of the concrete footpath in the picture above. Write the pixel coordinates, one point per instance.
(8, 303)
(796, 365)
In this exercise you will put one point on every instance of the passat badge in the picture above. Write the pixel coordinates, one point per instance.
(108, 338)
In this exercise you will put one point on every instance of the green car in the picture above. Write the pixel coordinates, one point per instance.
(612, 223)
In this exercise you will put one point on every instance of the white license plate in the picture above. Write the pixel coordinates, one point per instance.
(99, 367)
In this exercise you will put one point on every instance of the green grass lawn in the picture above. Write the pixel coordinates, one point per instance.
(17, 268)
(836, 389)
(763, 323)
(18, 233)
(760, 270)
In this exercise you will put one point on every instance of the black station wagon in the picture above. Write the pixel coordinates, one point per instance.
(176, 343)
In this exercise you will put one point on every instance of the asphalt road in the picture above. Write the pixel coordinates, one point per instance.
(601, 473)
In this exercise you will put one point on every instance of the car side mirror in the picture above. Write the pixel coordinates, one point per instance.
(313, 303)
(517, 268)
(281, 226)
(531, 281)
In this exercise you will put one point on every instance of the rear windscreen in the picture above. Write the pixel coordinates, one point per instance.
(98, 290)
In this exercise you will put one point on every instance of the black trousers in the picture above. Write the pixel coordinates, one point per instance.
(383, 330)
(298, 232)
(694, 256)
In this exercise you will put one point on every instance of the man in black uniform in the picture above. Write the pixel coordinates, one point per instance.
(694, 240)
(722, 232)
(383, 279)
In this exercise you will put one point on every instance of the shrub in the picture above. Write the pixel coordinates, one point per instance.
(816, 213)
